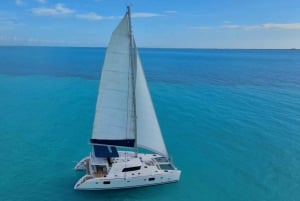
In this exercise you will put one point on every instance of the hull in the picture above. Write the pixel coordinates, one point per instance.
(133, 182)
(151, 172)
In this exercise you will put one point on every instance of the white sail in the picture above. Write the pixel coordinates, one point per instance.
(114, 120)
(149, 135)
(118, 103)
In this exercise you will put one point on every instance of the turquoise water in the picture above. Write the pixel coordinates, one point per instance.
(230, 119)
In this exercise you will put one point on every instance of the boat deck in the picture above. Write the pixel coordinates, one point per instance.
(128, 171)
(99, 172)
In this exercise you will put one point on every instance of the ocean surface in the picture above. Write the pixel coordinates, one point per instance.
(230, 120)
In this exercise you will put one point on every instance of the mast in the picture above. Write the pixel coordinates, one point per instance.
(133, 73)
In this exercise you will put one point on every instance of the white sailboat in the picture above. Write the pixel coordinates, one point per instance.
(125, 118)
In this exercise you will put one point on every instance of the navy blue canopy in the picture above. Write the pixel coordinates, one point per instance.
(105, 151)
(122, 143)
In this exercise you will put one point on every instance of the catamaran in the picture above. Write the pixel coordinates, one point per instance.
(125, 123)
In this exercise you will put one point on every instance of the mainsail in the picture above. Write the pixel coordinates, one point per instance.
(113, 123)
(124, 112)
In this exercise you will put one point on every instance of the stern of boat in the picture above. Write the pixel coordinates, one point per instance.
(81, 182)
(83, 164)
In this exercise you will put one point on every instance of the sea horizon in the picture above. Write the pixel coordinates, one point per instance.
(192, 48)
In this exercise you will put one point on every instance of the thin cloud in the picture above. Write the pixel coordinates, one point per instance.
(170, 12)
(281, 26)
(252, 27)
(291, 26)
(228, 25)
(93, 16)
(145, 15)
(237, 26)
(19, 2)
(8, 23)
(201, 28)
(89, 16)
(59, 9)
(41, 1)
(231, 26)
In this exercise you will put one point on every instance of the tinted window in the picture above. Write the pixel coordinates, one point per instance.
(131, 169)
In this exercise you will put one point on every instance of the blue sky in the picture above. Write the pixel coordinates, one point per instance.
(156, 23)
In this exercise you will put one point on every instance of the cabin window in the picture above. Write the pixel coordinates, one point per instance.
(151, 179)
(128, 169)
(166, 167)
(106, 182)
